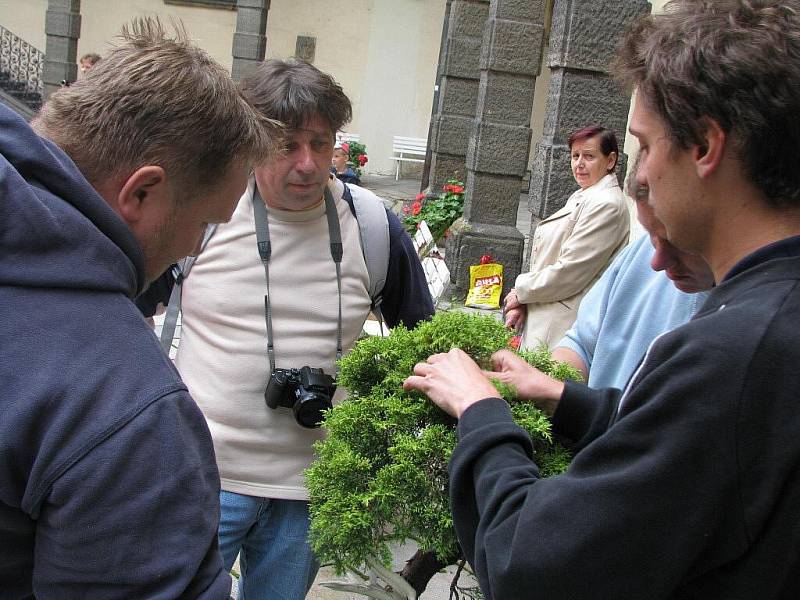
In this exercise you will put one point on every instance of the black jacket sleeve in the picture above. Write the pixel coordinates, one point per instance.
(406, 298)
(639, 505)
(584, 413)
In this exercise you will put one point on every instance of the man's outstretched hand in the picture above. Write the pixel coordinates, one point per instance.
(531, 384)
(455, 382)
(452, 380)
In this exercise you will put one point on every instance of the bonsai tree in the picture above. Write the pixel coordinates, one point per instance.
(381, 474)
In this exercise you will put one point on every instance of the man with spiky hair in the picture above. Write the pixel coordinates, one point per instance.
(108, 481)
(687, 484)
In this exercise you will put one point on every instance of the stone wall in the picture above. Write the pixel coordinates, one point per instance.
(582, 91)
(499, 142)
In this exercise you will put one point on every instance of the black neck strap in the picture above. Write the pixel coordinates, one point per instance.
(265, 252)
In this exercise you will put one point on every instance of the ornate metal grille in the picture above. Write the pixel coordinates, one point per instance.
(21, 67)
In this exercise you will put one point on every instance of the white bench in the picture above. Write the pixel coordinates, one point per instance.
(405, 148)
(342, 136)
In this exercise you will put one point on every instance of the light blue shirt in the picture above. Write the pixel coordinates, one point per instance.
(628, 307)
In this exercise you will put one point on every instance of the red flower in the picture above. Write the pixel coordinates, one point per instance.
(415, 208)
(486, 259)
(362, 159)
(515, 341)
(346, 147)
(419, 197)
(406, 209)
(447, 187)
(457, 189)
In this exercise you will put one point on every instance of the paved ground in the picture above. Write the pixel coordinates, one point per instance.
(386, 186)
(438, 588)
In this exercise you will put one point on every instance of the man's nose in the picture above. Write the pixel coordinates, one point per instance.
(304, 159)
(662, 257)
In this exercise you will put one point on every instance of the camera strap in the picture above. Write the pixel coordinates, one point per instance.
(265, 252)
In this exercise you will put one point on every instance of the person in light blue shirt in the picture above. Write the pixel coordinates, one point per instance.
(634, 302)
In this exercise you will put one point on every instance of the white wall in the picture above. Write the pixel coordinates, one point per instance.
(400, 74)
(25, 19)
(341, 29)
(101, 21)
(383, 53)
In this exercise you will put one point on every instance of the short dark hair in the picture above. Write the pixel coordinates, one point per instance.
(734, 61)
(92, 57)
(608, 140)
(293, 91)
(157, 99)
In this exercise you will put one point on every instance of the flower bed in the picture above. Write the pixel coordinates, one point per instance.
(438, 212)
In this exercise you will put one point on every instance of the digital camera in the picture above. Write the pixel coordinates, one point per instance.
(306, 391)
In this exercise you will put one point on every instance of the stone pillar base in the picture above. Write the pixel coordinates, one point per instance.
(468, 242)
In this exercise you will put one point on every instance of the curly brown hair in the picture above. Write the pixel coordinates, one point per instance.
(734, 61)
(293, 91)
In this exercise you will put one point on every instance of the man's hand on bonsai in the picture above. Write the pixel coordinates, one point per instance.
(531, 384)
(455, 382)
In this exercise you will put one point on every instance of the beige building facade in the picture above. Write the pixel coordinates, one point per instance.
(384, 53)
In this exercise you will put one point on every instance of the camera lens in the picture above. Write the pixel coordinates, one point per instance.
(309, 407)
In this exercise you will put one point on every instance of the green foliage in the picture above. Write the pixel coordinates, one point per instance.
(381, 474)
(439, 212)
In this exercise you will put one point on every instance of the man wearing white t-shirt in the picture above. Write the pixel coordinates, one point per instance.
(267, 295)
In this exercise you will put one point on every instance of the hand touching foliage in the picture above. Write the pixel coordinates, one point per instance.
(381, 474)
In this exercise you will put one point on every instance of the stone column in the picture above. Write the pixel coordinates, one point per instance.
(458, 91)
(62, 25)
(426, 169)
(582, 92)
(250, 37)
(497, 155)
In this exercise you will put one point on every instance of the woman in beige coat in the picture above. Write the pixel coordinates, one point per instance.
(572, 247)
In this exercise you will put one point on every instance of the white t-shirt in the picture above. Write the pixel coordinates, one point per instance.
(223, 352)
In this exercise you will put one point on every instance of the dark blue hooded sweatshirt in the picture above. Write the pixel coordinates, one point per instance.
(108, 482)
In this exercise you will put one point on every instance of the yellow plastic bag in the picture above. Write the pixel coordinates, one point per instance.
(485, 285)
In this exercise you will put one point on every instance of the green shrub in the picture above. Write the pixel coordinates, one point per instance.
(381, 474)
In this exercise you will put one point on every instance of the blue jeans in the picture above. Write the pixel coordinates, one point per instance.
(270, 537)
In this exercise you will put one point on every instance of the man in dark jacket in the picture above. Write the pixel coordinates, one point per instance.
(108, 482)
(687, 484)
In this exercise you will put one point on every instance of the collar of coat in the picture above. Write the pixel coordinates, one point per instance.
(608, 181)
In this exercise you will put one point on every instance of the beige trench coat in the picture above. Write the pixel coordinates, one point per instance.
(569, 251)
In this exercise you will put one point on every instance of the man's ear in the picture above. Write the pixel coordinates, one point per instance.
(709, 153)
(145, 188)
